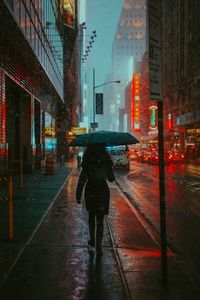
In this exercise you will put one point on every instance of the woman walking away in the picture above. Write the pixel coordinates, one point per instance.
(96, 170)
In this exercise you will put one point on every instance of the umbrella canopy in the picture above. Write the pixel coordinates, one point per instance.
(109, 138)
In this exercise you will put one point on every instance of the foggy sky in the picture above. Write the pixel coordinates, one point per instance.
(102, 16)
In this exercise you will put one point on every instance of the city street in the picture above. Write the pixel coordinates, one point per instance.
(57, 263)
(99, 150)
(182, 204)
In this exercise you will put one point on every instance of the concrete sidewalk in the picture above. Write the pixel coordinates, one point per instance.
(30, 204)
(58, 264)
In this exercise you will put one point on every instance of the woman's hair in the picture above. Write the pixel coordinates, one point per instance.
(95, 152)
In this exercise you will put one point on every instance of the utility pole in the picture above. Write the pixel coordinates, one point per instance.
(93, 95)
(94, 86)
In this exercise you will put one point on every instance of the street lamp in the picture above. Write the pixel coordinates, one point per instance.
(97, 86)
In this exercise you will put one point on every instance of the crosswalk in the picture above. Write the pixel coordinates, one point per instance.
(192, 184)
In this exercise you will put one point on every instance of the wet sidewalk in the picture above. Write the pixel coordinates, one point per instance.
(58, 264)
(30, 204)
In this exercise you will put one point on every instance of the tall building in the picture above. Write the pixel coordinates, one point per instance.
(181, 52)
(128, 48)
(31, 79)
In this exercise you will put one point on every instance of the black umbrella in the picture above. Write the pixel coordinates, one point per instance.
(108, 138)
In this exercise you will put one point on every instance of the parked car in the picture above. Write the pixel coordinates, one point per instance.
(176, 157)
(143, 155)
(169, 157)
(120, 156)
(133, 153)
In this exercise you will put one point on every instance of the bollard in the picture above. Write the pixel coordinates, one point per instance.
(11, 223)
(49, 166)
(21, 185)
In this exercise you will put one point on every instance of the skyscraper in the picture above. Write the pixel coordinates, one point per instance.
(128, 48)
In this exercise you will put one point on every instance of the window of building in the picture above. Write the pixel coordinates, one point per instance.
(17, 10)
(23, 17)
(10, 3)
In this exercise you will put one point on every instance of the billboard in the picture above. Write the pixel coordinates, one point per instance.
(69, 12)
(135, 115)
(49, 135)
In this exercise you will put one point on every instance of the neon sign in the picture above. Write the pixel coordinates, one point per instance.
(169, 121)
(153, 117)
(135, 114)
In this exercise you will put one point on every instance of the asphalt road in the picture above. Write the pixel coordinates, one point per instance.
(182, 204)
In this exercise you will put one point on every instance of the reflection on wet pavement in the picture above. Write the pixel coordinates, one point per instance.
(182, 204)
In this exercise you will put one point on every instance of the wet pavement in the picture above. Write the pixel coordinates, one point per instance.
(56, 263)
(141, 185)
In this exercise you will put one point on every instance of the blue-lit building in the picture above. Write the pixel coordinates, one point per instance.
(31, 78)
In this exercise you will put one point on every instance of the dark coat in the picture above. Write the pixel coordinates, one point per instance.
(94, 176)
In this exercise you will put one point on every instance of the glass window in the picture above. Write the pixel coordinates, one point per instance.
(28, 32)
(32, 13)
(23, 17)
(17, 10)
(28, 6)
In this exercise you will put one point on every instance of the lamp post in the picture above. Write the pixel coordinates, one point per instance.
(97, 86)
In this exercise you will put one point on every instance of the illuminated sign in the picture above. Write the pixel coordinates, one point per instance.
(170, 122)
(68, 9)
(135, 114)
(78, 130)
(50, 132)
(153, 117)
(50, 145)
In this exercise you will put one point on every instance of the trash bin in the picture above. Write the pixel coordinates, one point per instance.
(49, 166)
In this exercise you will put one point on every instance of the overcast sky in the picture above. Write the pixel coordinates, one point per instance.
(102, 16)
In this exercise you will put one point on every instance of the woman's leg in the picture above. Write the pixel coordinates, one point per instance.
(92, 228)
(99, 233)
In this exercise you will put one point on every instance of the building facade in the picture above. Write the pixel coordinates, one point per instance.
(181, 52)
(31, 79)
(128, 48)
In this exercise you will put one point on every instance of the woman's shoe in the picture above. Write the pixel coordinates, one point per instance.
(91, 242)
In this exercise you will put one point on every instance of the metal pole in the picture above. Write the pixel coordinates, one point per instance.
(93, 96)
(11, 222)
(164, 267)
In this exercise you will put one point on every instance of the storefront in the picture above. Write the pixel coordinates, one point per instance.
(31, 85)
(192, 145)
(50, 142)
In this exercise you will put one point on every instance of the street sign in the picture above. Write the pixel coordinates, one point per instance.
(99, 103)
(155, 46)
